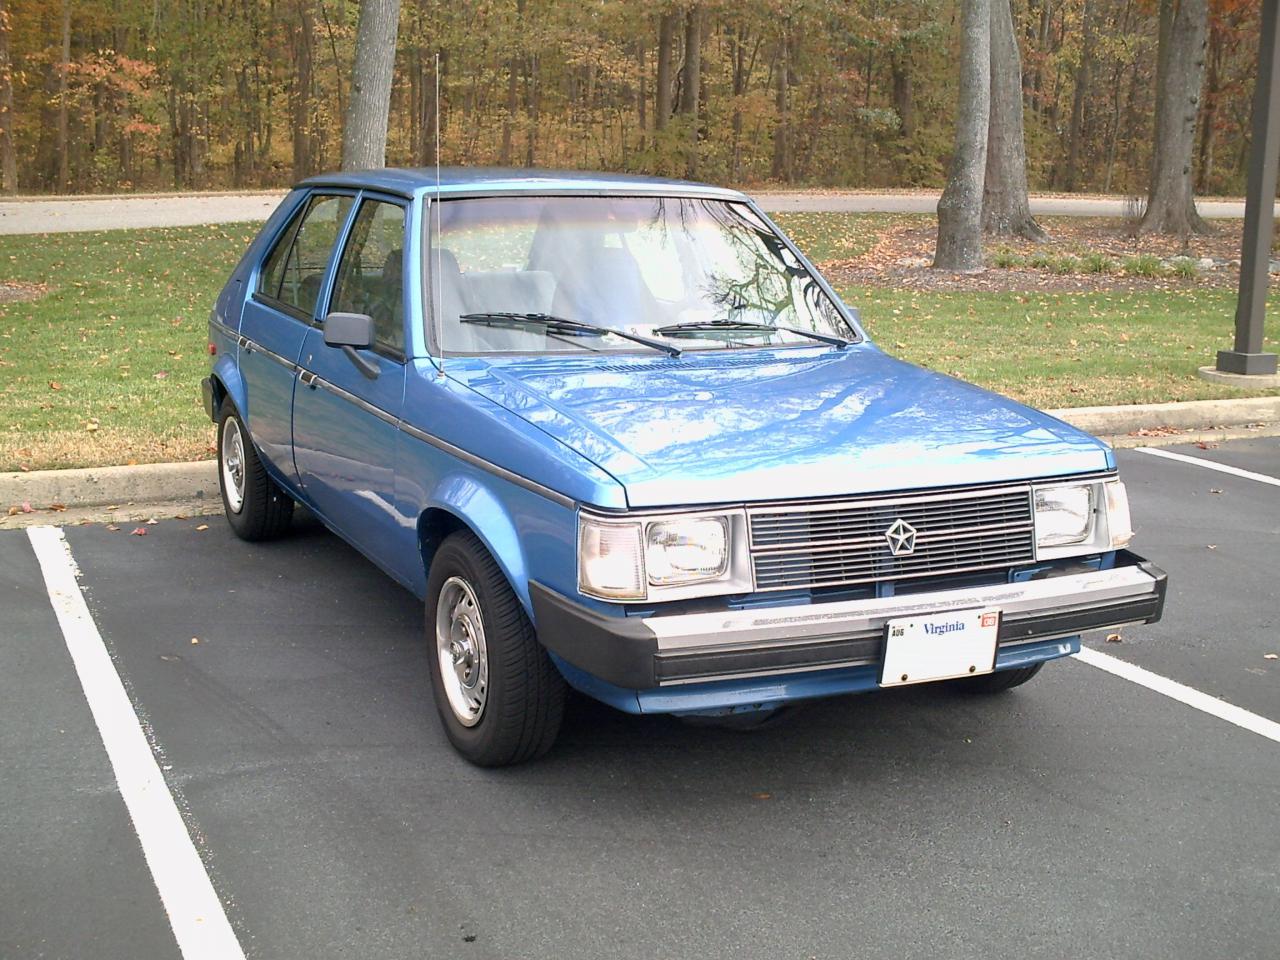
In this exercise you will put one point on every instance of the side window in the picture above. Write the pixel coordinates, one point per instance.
(273, 268)
(294, 278)
(371, 273)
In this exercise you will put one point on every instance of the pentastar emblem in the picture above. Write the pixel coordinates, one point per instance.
(902, 538)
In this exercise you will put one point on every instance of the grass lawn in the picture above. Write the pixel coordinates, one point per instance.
(105, 367)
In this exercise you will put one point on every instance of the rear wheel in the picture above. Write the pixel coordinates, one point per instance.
(256, 507)
(996, 682)
(500, 698)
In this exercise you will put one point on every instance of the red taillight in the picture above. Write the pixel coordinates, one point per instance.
(213, 349)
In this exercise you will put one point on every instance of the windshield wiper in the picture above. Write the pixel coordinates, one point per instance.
(553, 324)
(745, 326)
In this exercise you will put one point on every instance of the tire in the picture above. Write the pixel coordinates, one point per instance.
(499, 696)
(996, 682)
(256, 507)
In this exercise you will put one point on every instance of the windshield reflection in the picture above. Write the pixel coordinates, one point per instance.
(632, 264)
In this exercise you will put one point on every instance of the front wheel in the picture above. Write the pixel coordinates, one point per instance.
(256, 507)
(500, 698)
(996, 682)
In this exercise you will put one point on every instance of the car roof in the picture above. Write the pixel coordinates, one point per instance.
(491, 181)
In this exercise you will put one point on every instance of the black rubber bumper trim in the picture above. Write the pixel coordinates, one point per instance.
(618, 650)
(623, 651)
(206, 392)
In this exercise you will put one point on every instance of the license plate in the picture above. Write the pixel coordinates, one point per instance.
(939, 646)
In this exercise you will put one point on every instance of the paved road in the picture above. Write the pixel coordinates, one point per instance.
(109, 213)
(1080, 815)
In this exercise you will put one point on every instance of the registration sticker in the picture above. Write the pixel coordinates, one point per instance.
(939, 646)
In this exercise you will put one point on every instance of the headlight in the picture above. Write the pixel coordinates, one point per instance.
(1073, 519)
(1064, 515)
(686, 551)
(662, 557)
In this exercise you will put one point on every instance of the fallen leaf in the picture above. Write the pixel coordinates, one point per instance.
(14, 511)
(160, 375)
(138, 532)
(203, 526)
(762, 796)
(1205, 446)
(57, 507)
(112, 527)
(54, 385)
(26, 507)
(1114, 638)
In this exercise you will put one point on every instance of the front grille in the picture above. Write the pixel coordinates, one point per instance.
(823, 545)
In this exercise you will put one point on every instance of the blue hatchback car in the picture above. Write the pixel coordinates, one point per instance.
(620, 436)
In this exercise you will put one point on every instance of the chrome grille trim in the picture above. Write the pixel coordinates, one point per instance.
(797, 546)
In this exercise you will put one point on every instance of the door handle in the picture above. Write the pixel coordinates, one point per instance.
(308, 378)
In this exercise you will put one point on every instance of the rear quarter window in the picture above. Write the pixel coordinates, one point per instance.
(294, 270)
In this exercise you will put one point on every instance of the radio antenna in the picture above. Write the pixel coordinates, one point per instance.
(439, 271)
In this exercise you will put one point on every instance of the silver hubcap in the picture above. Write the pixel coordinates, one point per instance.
(460, 647)
(232, 455)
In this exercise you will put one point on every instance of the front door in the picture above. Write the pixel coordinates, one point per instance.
(277, 318)
(345, 422)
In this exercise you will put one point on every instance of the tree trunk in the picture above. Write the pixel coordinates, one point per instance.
(903, 98)
(1005, 210)
(782, 131)
(739, 88)
(691, 86)
(364, 133)
(1209, 119)
(1179, 71)
(64, 67)
(8, 156)
(1078, 101)
(662, 99)
(960, 207)
(300, 93)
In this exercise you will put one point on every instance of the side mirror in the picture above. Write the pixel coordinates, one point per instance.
(352, 332)
(348, 330)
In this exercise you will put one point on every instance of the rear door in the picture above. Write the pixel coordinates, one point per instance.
(287, 286)
(345, 420)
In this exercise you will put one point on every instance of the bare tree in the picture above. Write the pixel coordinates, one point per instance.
(64, 68)
(1005, 209)
(1171, 206)
(691, 85)
(666, 41)
(8, 157)
(960, 208)
(364, 134)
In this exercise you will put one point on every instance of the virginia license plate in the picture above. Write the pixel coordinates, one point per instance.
(939, 646)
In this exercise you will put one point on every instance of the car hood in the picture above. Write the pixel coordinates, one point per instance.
(779, 424)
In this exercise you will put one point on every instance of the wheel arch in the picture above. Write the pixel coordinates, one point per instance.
(227, 383)
(479, 512)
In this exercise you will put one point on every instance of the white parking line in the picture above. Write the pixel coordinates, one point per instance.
(199, 923)
(1210, 465)
(1182, 693)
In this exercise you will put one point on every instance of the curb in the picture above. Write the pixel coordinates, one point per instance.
(110, 486)
(1186, 415)
(197, 483)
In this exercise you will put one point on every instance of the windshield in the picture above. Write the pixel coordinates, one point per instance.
(694, 273)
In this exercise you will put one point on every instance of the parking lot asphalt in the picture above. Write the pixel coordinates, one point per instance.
(284, 690)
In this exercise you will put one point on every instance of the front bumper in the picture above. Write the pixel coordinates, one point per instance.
(641, 653)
